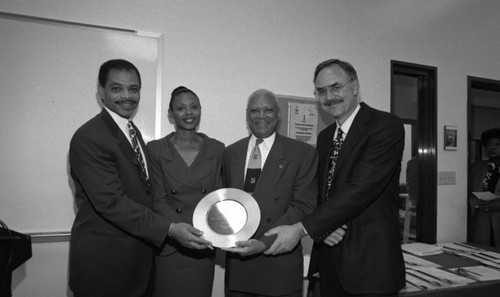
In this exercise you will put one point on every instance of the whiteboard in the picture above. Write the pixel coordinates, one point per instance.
(49, 74)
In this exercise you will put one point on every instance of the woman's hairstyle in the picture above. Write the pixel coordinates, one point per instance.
(177, 91)
(489, 134)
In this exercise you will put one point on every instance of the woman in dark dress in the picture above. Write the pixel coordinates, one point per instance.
(484, 178)
(185, 166)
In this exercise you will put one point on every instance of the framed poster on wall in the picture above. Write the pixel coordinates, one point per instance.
(450, 138)
(302, 118)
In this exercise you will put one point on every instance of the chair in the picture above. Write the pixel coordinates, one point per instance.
(408, 214)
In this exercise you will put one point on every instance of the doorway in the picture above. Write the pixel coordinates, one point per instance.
(414, 100)
(483, 113)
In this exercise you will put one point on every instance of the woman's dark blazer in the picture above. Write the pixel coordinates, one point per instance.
(183, 186)
(483, 223)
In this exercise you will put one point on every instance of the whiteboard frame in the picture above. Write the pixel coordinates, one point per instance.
(157, 36)
(64, 235)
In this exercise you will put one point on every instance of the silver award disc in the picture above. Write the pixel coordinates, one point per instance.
(226, 216)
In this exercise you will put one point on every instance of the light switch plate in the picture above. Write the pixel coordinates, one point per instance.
(447, 178)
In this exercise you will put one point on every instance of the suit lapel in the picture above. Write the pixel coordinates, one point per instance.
(178, 170)
(356, 133)
(124, 143)
(273, 168)
(238, 164)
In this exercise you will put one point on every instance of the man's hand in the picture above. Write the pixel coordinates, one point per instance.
(248, 248)
(188, 236)
(288, 237)
(336, 236)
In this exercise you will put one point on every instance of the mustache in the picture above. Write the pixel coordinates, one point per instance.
(329, 102)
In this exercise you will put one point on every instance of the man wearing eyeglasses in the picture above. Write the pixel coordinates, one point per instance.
(359, 166)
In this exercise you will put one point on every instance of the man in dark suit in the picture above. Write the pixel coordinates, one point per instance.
(358, 186)
(115, 228)
(284, 185)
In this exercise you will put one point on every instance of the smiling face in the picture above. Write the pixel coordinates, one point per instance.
(185, 111)
(342, 103)
(122, 92)
(262, 114)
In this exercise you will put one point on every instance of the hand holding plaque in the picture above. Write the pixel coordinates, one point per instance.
(226, 216)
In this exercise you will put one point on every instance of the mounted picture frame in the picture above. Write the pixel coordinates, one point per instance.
(450, 138)
(302, 118)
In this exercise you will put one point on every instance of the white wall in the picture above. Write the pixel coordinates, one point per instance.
(226, 49)
(45, 274)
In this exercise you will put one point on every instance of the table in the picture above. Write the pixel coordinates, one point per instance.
(477, 289)
(446, 260)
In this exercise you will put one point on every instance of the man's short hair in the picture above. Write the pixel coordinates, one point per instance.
(118, 64)
(266, 94)
(346, 66)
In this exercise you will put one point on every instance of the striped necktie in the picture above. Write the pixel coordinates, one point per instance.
(135, 145)
(334, 153)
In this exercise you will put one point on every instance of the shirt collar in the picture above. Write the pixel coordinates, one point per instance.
(347, 124)
(266, 144)
(121, 122)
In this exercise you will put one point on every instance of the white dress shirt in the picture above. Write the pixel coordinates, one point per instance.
(264, 147)
(122, 123)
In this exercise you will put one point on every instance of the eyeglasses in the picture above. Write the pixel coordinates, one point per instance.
(321, 93)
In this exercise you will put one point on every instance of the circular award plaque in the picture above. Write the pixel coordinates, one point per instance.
(226, 216)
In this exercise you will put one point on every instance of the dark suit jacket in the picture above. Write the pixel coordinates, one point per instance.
(483, 223)
(365, 197)
(181, 186)
(286, 191)
(110, 252)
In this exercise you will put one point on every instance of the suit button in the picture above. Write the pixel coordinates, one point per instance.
(203, 191)
(173, 192)
(178, 210)
(268, 219)
(276, 198)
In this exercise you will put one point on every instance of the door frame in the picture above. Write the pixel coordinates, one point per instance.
(477, 83)
(427, 144)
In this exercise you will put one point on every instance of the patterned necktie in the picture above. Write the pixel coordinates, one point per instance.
(135, 145)
(334, 153)
(491, 178)
(254, 167)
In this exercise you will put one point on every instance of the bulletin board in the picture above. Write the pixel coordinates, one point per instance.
(49, 89)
